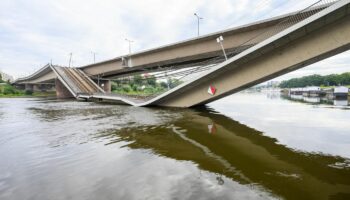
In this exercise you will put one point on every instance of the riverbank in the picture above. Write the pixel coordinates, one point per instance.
(9, 91)
(332, 87)
(34, 95)
(337, 92)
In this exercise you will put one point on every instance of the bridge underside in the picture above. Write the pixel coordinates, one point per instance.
(304, 41)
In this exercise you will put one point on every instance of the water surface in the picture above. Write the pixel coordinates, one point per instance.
(247, 146)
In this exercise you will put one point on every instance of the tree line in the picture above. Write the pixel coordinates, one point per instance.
(317, 80)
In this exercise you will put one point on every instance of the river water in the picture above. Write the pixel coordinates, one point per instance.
(246, 146)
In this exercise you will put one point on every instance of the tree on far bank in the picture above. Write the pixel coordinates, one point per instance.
(317, 80)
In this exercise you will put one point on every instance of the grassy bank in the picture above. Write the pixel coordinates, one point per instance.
(9, 91)
(330, 87)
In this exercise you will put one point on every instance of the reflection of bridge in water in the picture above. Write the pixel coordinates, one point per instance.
(256, 53)
(228, 148)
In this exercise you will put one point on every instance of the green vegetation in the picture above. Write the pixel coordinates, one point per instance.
(318, 80)
(141, 86)
(7, 90)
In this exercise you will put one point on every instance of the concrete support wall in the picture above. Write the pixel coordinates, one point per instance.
(38, 87)
(47, 87)
(105, 85)
(29, 87)
(61, 91)
(20, 87)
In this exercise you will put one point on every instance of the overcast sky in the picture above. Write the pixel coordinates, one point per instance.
(32, 32)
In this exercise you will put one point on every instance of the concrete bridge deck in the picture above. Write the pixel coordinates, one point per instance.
(75, 81)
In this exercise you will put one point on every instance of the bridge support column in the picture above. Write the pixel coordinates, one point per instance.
(61, 91)
(36, 88)
(29, 87)
(106, 85)
(47, 88)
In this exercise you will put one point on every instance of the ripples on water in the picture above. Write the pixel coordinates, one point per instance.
(53, 149)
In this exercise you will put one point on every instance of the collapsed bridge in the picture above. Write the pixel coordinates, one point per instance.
(255, 53)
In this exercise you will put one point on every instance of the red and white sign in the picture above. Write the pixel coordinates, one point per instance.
(212, 128)
(212, 90)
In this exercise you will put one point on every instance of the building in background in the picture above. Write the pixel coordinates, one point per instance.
(272, 84)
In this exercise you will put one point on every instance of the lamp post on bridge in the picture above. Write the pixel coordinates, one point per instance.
(198, 19)
(70, 58)
(129, 41)
(219, 40)
(129, 60)
(94, 55)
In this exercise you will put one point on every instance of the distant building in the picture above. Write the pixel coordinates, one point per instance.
(272, 84)
(6, 77)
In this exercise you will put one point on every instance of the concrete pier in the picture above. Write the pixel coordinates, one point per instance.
(61, 91)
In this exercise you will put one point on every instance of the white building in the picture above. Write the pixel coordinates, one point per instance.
(341, 89)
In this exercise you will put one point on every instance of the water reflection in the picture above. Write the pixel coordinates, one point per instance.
(243, 154)
(318, 100)
(341, 102)
(312, 99)
(58, 150)
(84, 150)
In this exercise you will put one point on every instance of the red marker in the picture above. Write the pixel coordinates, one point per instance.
(211, 90)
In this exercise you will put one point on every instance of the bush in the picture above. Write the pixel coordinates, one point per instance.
(134, 87)
(126, 88)
(137, 79)
(9, 90)
(28, 92)
(152, 81)
(114, 86)
(164, 84)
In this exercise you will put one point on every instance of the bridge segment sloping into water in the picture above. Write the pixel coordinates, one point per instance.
(76, 81)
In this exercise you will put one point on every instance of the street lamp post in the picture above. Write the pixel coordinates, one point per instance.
(129, 60)
(70, 58)
(198, 19)
(219, 40)
(129, 41)
(94, 54)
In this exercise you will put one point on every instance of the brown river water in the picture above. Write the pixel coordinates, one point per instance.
(246, 146)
